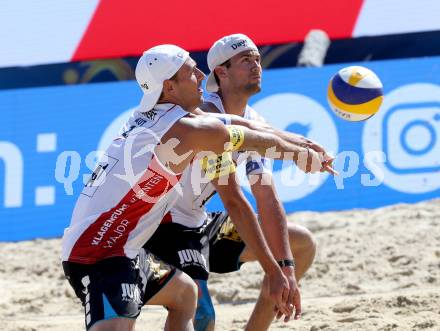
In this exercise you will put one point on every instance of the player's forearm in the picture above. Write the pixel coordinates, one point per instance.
(264, 127)
(289, 137)
(273, 220)
(250, 231)
(210, 135)
(265, 143)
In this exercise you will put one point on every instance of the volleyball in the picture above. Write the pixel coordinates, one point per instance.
(355, 93)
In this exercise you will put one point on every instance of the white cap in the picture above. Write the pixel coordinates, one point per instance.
(154, 67)
(222, 50)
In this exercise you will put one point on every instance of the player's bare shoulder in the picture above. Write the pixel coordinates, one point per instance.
(191, 129)
(202, 123)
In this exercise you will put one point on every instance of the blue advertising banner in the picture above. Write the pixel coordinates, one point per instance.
(49, 137)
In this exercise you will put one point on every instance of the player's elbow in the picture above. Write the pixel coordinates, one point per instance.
(210, 135)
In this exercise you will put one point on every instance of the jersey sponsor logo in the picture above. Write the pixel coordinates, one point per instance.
(151, 115)
(134, 129)
(108, 224)
(108, 234)
(118, 232)
(140, 121)
(189, 257)
(131, 292)
(141, 192)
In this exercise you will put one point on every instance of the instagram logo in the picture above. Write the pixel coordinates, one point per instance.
(407, 130)
(411, 135)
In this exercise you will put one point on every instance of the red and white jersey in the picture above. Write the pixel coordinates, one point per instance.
(127, 195)
(189, 209)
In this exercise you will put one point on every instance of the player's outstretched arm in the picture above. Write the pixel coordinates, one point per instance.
(274, 225)
(208, 109)
(247, 225)
(307, 146)
(207, 134)
(297, 139)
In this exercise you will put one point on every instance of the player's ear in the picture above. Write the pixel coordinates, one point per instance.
(168, 86)
(221, 72)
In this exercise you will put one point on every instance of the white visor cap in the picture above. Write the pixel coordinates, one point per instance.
(222, 50)
(154, 67)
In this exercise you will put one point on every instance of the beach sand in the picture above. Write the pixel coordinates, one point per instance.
(374, 270)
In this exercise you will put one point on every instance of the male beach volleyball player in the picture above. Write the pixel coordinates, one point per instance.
(137, 182)
(200, 242)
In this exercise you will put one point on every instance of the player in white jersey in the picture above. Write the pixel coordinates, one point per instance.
(136, 182)
(235, 76)
(200, 242)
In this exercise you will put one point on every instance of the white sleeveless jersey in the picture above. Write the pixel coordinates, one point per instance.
(189, 209)
(127, 195)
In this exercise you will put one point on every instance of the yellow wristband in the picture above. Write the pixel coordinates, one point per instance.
(236, 137)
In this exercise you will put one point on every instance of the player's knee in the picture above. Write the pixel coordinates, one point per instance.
(189, 291)
(301, 239)
(310, 242)
(205, 313)
(185, 298)
(314, 243)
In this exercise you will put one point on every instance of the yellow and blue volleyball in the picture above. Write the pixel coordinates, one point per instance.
(355, 93)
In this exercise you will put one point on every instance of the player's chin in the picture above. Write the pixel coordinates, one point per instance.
(198, 100)
(254, 87)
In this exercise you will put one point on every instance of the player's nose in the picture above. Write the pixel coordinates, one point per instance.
(200, 75)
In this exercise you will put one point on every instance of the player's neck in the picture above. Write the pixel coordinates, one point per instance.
(174, 101)
(233, 103)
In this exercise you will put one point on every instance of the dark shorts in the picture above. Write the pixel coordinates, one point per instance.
(214, 247)
(117, 286)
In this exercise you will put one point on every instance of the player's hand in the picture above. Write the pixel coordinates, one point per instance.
(327, 158)
(309, 160)
(294, 300)
(278, 287)
(324, 161)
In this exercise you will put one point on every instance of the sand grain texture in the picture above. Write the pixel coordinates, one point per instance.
(375, 270)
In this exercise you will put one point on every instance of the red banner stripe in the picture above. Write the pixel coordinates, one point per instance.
(128, 28)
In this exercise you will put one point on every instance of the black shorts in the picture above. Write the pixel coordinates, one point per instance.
(216, 246)
(117, 286)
